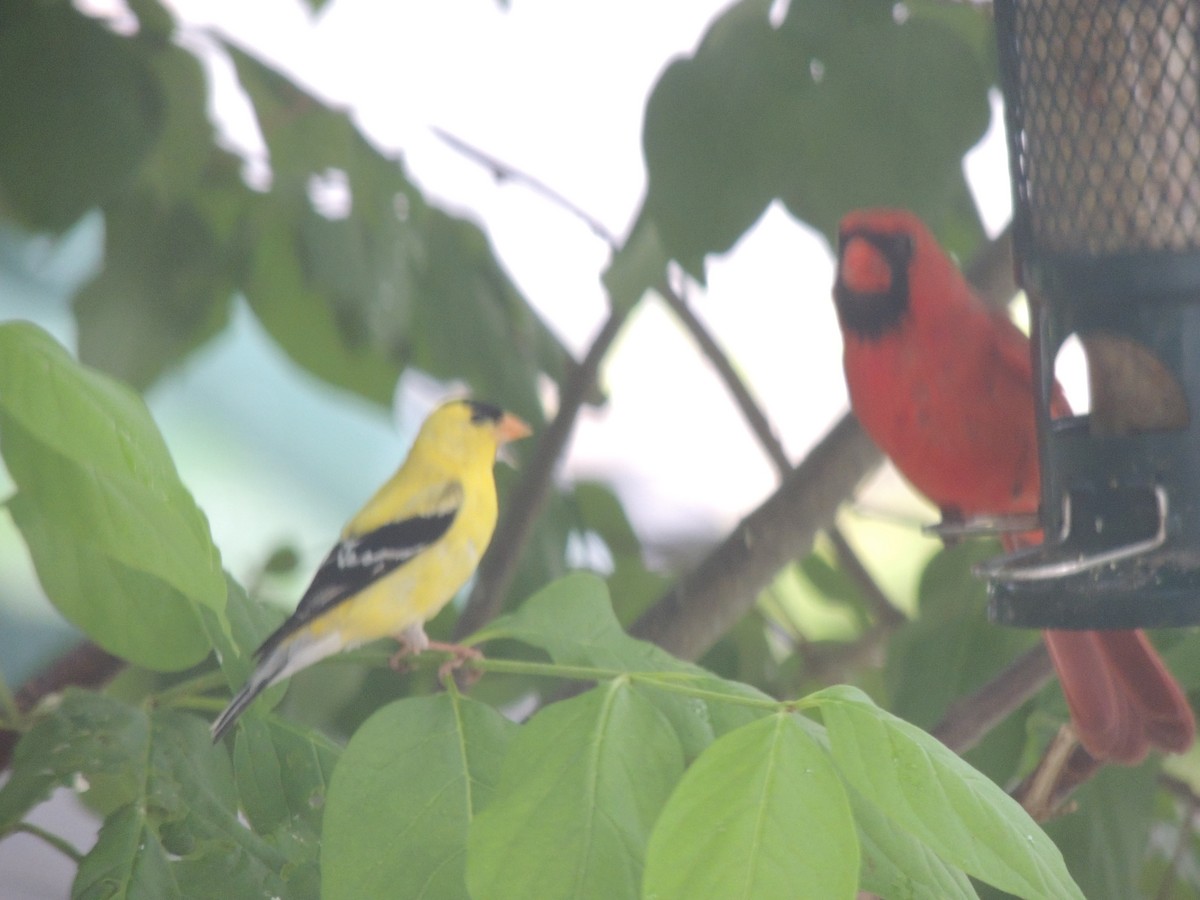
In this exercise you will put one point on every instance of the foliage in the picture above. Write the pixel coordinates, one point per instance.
(648, 775)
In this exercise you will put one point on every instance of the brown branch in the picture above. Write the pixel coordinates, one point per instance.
(973, 716)
(706, 602)
(880, 603)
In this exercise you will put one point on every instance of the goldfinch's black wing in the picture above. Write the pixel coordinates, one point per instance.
(358, 560)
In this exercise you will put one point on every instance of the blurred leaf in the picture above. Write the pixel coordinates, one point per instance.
(839, 106)
(580, 788)
(639, 265)
(1104, 842)
(164, 290)
(87, 109)
(927, 791)
(761, 814)
(119, 544)
(951, 649)
(436, 760)
(86, 733)
(600, 511)
(282, 774)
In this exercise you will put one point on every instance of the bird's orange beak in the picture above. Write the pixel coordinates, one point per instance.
(511, 428)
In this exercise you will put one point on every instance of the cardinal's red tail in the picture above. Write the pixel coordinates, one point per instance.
(1123, 700)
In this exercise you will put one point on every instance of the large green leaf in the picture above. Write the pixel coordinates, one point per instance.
(841, 105)
(413, 776)
(761, 814)
(581, 786)
(120, 546)
(929, 792)
(81, 109)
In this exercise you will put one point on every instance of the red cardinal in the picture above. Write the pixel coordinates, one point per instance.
(945, 387)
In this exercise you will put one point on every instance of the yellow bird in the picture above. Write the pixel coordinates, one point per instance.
(402, 557)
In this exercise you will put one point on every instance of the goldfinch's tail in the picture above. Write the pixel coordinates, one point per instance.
(295, 653)
(259, 682)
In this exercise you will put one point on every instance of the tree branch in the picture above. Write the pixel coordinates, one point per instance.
(707, 601)
(524, 503)
(973, 716)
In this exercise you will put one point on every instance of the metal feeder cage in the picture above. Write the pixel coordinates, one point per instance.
(1102, 103)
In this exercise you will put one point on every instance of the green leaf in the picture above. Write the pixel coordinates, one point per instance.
(761, 814)
(81, 109)
(897, 864)
(167, 793)
(413, 776)
(951, 649)
(939, 799)
(97, 736)
(128, 860)
(164, 289)
(120, 546)
(238, 633)
(839, 106)
(580, 788)
(282, 774)
(573, 621)
(1106, 851)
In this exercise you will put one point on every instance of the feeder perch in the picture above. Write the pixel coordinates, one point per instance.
(1102, 103)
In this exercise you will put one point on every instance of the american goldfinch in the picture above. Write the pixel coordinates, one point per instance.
(403, 556)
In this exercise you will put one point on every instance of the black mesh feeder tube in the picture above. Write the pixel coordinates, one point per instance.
(1102, 104)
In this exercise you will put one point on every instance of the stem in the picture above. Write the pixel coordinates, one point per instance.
(58, 843)
(973, 716)
(177, 694)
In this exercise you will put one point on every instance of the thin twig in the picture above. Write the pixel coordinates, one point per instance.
(502, 171)
(60, 844)
(524, 503)
(733, 382)
(757, 420)
(881, 604)
(973, 716)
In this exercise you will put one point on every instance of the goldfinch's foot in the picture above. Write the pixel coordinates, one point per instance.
(459, 654)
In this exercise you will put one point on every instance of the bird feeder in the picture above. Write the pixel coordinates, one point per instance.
(1102, 101)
